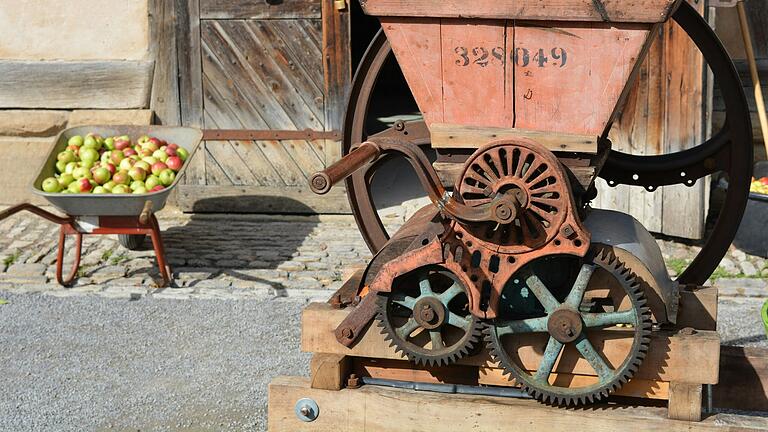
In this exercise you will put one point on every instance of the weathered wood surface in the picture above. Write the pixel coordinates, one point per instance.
(668, 356)
(74, 85)
(244, 199)
(337, 72)
(190, 69)
(329, 371)
(165, 84)
(259, 9)
(684, 402)
(743, 379)
(461, 136)
(649, 11)
(718, 114)
(664, 113)
(380, 409)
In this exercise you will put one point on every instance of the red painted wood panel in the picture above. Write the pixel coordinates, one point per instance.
(569, 78)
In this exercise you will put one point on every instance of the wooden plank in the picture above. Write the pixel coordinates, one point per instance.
(372, 408)
(461, 136)
(649, 11)
(416, 44)
(639, 388)
(401, 370)
(329, 371)
(189, 61)
(668, 357)
(74, 85)
(233, 166)
(698, 308)
(562, 84)
(743, 379)
(337, 65)
(110, 117)
(474, 81)
(165, 84)
(685, 402)
(259, 9)
(259, 199)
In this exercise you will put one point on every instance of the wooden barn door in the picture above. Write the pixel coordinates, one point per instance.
(267, 80)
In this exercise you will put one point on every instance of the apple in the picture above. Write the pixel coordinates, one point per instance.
(121, 144)
(157, 188)
(109, 143)
(81, 172)
(144, 152)
(111, 168)
(101, 175)
(160, 155)
(137, 184)
(120, 189)
(91, 142)
(170, 152)
(66, 156)
(116, 156)
(137, 174)
(108, 186)
(121, 178)
(74, 149)
(73, 187)
(70, 167)
(151, 145)
(150, 160)
(76, 140)
(99, 190)
(173, 146)
(83, 185)
(65, 179)
(167, 177)
(152, 181)
(182, 153)
(143, 139)
(140, 190)
(143, 165)
(158, 167)
(764, 181)
(88, 154)
(85, 164)
(60, 166)
(51, 185)
(174, 163)
(126, 164)
(129, 152)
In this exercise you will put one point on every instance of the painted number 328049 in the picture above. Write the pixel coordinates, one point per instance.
(522, 57)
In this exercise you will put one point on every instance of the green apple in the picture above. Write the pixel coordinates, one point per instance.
(88, 154)
(150, 160)
(60, 166)
(101, 175)
(100, 190)
(108, 186)
(91, 142)
(126, 164)
(121, 178)
(137, 174)
(105, 158)
(86, 164)
(151, 182)
(109, 143)
(160, 155)
(70, 167)
(76, 140)
(51, 185)
(167, 177)
(143, 165)
(74, 187)
(182, 153)
(65, 179)
(137, 184)
(120, 189)
(66, 156)
(82, 172)
(140, 190)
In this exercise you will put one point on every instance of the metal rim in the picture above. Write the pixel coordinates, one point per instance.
(403, 321)
(729, 151)
(537, 384)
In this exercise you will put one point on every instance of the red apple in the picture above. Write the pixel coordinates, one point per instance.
(173, 146)
(170, 152)
(129, 152)
(117, 156)
(137, 174)
(157, 188)
(101, 175)
(174, 163)
(111, 168)
(764, 180)
(84, 185)
(122, 144)
(158, 167)
(121, 178)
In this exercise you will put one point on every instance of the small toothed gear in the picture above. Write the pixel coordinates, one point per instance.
(566, 323)
(426, 317)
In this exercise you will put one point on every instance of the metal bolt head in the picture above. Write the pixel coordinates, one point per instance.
(347, 333)
(399, 125)
(306, 410)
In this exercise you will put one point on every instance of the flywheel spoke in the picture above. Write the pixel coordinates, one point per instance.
(436, 338)
(608, 319)
(424, 285)
(530, 325)
(451, 293)
(551, 353)
(459, 322)
(405, 331)
(407, 302)
(580, 286)
(585, 347)
(542, 293)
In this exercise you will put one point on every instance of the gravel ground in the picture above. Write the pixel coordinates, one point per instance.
(90, 363)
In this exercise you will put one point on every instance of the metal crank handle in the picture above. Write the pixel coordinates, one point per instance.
(322, 181)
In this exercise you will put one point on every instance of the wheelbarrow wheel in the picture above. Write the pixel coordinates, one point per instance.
(132, 241)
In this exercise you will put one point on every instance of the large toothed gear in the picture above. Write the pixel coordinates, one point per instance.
(427, 318)
(565, 318)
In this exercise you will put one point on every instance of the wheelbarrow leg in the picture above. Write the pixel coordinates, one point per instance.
(157, 243)
(63, 231)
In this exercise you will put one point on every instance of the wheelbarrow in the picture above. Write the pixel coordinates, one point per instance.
(131, 217)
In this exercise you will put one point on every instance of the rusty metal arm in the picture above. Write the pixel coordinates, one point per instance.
(502, 210)
(36, 210)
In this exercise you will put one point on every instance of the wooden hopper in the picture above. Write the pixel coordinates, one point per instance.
(560, 66)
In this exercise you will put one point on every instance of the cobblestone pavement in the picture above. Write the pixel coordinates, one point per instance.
(241, 256)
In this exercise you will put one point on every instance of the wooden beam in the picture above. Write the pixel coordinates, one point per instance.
(472, 137)
(260, 199)
(649, 11)
(685, 402)
(74, 85)
(337, 72)
(743, 379)
(668, 357)
(259, 9)
(372, 408)
(190, 62)
(165, 83)
(329, 371)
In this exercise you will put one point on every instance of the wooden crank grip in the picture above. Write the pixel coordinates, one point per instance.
(322, 181)
(146, 213)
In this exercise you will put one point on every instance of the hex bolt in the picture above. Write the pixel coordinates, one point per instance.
(399, 125)
(305, 411)
(688, 331)
(347, 333)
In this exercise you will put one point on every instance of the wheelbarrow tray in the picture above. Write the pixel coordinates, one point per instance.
(117, 204)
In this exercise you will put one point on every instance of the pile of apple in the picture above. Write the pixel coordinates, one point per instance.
(93, 164)
(759, 186)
